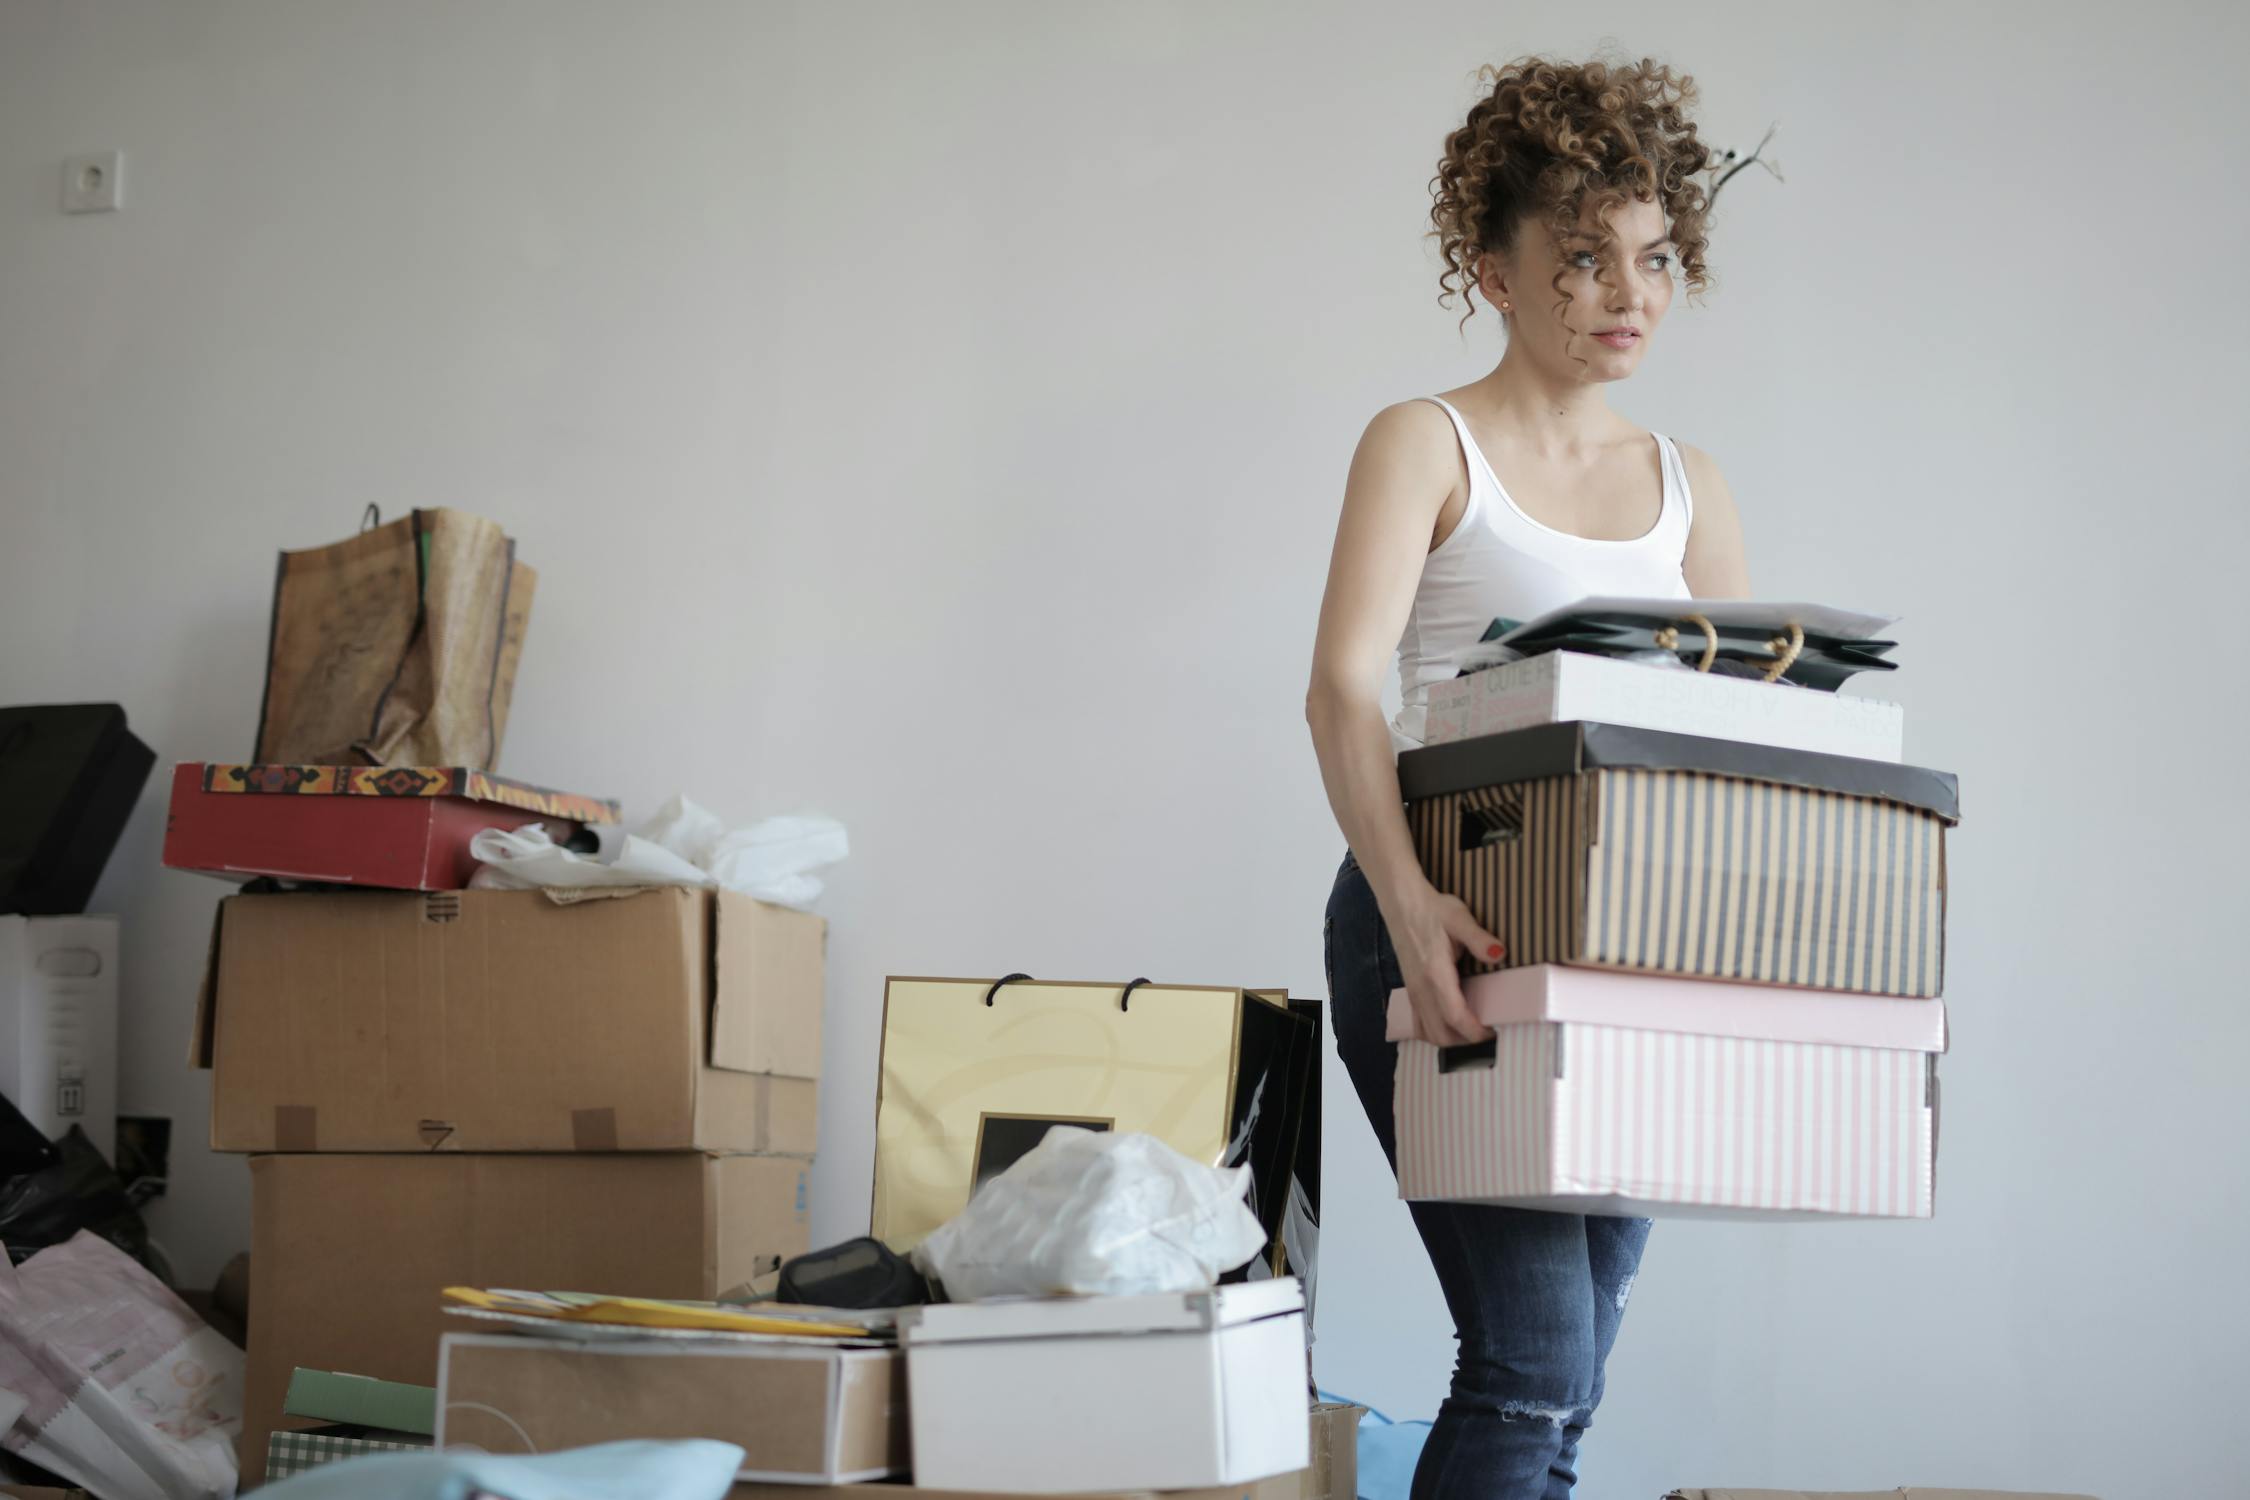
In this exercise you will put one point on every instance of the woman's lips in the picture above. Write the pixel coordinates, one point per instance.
(1622, 338)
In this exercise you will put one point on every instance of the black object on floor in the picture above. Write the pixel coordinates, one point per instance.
(69, 776)
(858, 1273)
(80, 1191)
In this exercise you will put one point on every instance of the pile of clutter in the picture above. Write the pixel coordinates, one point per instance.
(108, 1376)
(530, 1102)
(1722, 891)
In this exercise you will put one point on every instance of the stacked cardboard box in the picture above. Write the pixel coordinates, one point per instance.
(493, 1088)
(1773, 920)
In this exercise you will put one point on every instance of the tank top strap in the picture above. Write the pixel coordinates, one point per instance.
(1676, 493)
(1472, 464)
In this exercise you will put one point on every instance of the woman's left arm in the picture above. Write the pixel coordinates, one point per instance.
(1714, 565)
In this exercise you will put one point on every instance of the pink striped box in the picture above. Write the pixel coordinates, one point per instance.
(1633, 1094)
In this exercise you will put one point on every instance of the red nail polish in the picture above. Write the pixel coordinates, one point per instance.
(1493, 951)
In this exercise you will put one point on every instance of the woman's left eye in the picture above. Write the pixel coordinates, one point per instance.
(1661, 262)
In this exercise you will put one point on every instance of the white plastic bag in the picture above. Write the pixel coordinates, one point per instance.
(683, 844)
(107, 1378)
(1095, 1213)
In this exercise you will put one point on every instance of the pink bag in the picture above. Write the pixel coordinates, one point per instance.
(109, 1380)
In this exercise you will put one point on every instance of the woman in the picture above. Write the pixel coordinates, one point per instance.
(1570, 201)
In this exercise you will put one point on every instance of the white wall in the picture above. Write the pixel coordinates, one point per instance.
(936, 415)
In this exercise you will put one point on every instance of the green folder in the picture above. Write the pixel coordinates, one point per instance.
(363, 1402)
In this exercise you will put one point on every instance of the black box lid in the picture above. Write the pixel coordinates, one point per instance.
(1583, 745)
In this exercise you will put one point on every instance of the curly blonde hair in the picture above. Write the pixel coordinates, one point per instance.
(1551, 136)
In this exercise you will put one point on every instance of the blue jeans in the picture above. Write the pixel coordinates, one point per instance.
(1536, 1297)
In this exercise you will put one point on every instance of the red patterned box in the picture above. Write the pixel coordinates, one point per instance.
(394, 827)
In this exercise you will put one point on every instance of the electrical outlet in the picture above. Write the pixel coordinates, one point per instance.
(94, 184)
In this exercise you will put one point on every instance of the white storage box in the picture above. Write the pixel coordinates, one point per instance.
(1559, 686)
(1061, 1395)
(1607, 1093)
(58, 1024)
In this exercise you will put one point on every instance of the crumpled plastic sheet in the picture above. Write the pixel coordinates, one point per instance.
(683, 844)
(1095, 1213)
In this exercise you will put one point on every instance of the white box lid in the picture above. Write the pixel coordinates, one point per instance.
(1201, 1311)
(1704, 1007)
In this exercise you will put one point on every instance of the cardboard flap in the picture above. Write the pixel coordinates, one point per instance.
(1570, 748)
(766, 970)
(207, 996)
(1703, 1007)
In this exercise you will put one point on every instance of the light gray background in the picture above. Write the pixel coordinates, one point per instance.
(936, 415)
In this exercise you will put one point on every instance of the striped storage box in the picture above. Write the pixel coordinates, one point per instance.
(1634, 849)
(1615, 1094)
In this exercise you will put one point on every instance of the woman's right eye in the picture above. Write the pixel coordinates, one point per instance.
(1584, 259)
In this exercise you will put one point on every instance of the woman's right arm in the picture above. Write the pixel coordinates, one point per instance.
(1401, 477)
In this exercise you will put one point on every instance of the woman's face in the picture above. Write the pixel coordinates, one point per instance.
(1605, 325)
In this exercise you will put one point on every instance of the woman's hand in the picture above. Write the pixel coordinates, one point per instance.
(1429, 930)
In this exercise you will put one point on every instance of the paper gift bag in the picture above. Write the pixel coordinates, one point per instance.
(397, 647)
(975, 1072)
(110, 1381)
(1811, 645)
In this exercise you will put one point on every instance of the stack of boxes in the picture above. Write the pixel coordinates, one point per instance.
(500, 1088)
(1721, 994)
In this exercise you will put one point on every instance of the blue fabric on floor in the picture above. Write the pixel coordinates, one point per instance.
(1388, 1452)
(691, 1470)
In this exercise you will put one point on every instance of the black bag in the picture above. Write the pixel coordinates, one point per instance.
(79, 1191)
(69, 776)
(24, 1147)
(1775, 647)
(857, 1273)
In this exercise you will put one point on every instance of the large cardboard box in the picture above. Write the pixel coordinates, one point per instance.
(801, 1413)
(401, 828)
(1178, 1390)
(1622, 848)
(58, 1024)
(1333, 1474)
(1559, 686)
(1632, 1094)
(1912, 1493)
(974, 1072)
(663, 1019)
(350, 1253)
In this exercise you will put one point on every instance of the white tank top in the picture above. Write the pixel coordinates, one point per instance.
(1500, 562)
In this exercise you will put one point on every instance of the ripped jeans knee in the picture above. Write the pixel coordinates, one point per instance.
(1557, 1392)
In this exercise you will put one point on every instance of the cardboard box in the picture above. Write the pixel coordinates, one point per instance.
(349, 1253)
(1559, 686)
(1179, 1390)
(401, 828)
(1617, 1094)
(1334, 1471)
(504, 1021)
(1623, 848)
(974, 1073)
(58, 1024)
(801, 1413)
(1332, 1475)
(1915, 1493)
